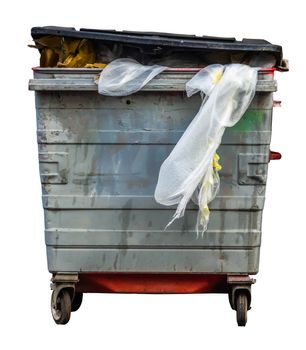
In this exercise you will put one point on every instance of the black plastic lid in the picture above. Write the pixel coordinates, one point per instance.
(164, 40)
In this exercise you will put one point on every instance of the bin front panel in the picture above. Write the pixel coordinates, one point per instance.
(99, 162)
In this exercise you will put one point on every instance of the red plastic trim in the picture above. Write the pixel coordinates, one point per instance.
(274, 155)
(277, 103)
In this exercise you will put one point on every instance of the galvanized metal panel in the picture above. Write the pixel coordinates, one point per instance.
(124, 228)
(82, 259)
(75, 238)
(89, 100)
(94, 201)
(116, 176)
(99, 162)
(168, 81)
(143, 123)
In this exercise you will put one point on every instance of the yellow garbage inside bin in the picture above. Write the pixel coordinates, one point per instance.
(65, 52)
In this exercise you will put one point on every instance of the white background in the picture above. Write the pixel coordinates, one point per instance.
(106, 321)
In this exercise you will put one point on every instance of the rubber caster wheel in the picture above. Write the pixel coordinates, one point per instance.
(76, 302)
(61, 307)
(241, 309)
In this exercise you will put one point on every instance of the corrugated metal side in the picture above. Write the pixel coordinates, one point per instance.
(99, 161)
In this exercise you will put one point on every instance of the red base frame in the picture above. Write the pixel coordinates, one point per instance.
(151, 283)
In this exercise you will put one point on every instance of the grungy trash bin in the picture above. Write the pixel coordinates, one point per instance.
(99, 160)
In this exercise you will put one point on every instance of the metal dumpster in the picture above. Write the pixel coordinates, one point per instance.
(99, 160)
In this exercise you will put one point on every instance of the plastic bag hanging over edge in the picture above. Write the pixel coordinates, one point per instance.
(188, 171)
(124, 76)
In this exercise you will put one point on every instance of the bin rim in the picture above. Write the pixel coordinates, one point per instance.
(168, 70)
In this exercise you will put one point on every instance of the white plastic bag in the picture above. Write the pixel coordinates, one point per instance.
(125, 76)
(188, 172)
